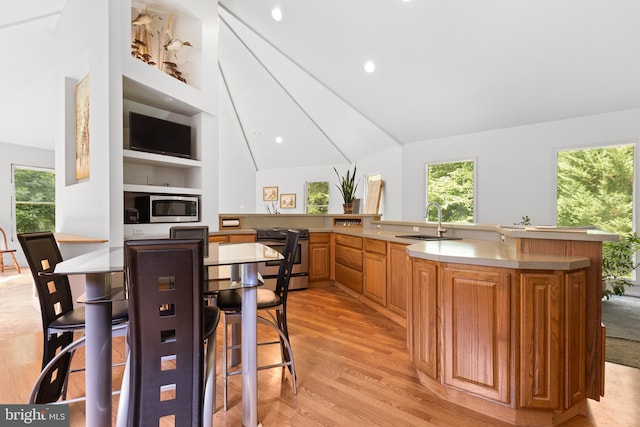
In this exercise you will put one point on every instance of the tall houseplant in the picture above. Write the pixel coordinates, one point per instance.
(618, 262)
(347, 185)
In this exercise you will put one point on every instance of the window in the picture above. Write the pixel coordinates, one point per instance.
(595, 188)
(451, 185)
(317, 201)
(35, 207)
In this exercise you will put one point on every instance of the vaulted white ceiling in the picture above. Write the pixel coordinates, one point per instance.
(26, 78)
(443, 67)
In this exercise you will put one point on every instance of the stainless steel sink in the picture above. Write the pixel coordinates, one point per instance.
(425, 237)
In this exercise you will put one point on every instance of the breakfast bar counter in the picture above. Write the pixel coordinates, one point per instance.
(510, 328)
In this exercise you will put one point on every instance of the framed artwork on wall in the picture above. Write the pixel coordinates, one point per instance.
(287, 201)
(82, 129)
(270, 194)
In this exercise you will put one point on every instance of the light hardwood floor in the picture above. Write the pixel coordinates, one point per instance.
(353, 370)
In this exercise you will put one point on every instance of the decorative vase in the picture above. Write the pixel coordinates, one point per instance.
(348, 208)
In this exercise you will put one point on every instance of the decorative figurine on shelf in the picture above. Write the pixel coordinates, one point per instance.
(174, 44)
(160, 52)
(171, 47)
(145, 19)
(140, 47)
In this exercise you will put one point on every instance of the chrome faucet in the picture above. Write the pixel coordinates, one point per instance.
(441, 230)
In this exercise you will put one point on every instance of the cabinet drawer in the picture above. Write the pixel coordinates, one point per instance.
(242, 238)
(349, 277)
(218, 238)
(318, 238)
(375, 246)
(349, 257)
(351, 241)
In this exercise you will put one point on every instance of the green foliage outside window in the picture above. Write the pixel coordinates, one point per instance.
(317, 197)
(595, 188)
(451, 186)
(34, 200)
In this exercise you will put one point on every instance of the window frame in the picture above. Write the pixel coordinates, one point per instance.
(306, 197)
(14, 202)
(425, 169)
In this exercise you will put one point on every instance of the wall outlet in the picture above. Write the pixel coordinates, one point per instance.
(138, 231)
(416, 229)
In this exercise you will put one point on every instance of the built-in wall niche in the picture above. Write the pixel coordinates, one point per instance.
(145, 171)
(158, 113)
(150, 172)
(168, 37)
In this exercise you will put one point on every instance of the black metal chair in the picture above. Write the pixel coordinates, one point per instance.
(274, 303)
(195, 232)
(60, 320)
(165, 376)
(192, 232)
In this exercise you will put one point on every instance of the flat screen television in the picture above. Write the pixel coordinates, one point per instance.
(159, 136)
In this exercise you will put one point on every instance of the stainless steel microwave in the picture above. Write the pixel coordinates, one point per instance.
(167, 208)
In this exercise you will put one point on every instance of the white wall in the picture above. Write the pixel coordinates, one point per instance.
(82, 34)
(237, 174)
(10, 155)
(293, 180)
(516, 167)
(389, 164)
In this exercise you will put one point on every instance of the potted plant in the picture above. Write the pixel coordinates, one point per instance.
(618, 262)
(347, 185)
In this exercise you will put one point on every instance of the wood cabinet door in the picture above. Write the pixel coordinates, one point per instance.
(476, 329)
(319, 256)
(540, 340)
(375, 277)
(398, 278)
(575, 319)
(319, 261)
(423, 310)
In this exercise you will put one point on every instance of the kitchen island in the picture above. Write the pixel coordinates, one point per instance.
(510, 328)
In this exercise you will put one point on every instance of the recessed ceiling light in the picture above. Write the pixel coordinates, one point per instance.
(369, 66)
(276, 14)
(279, 139)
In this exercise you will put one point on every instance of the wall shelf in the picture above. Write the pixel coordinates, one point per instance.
(160, 189)
(143, 158)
